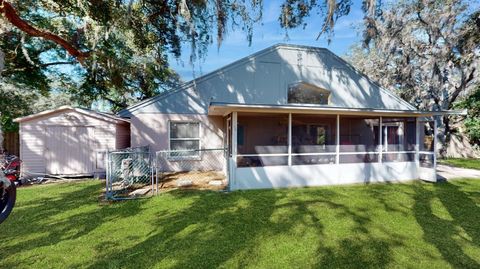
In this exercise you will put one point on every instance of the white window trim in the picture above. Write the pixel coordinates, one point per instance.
(188, 157)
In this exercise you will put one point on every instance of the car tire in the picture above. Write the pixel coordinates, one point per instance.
(7, 204)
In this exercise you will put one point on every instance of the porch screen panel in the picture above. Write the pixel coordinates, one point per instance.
(426, 136)
(398, 139)
(427, 141)
(313, 139)
(262, 140)
(359, 140)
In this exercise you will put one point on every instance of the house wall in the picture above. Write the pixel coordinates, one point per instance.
(122, 136)
(151, 129)
(265, 77)
(33, 140)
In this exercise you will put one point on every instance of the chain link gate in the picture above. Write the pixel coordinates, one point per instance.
(129, 173)
(199, 169)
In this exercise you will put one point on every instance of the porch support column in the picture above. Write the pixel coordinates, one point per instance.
(417, 142)
(234, 149)
(234, 137)
(337, 158)
(380, 139)
(435, 134)
(289, 139)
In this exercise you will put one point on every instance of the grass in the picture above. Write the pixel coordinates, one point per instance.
(415, 225)
(462, 162)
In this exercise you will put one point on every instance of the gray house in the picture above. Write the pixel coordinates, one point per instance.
(289, 116)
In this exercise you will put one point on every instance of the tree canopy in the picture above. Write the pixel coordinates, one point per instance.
(427, 51)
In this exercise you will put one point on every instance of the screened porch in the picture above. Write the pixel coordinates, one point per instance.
(290, 139)
(273, 146)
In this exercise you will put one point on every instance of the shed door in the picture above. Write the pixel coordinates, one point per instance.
(68, 150)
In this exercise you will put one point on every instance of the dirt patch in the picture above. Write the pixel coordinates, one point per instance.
(198, 179)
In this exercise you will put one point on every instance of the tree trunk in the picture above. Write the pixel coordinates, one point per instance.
(1, 136)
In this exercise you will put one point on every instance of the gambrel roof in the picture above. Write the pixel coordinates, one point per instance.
(263, 78)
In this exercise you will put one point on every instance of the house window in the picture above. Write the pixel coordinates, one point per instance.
(303, 93)
(184, 139)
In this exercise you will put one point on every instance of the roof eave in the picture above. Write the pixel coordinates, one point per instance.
(94, 114)
(217, 108)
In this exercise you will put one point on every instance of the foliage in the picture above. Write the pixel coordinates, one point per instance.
(124, 44)
(427, 51)
(472, 122)
(414, 225)
(294, 13)
(462, 162)
(16, 102)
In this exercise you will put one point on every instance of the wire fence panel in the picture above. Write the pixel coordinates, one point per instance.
(129, 173)
(200, 169)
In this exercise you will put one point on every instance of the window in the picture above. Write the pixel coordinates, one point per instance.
(185, 139)
(303, 93)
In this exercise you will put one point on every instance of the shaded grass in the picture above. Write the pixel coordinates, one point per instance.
(462, 162)
(413, 225)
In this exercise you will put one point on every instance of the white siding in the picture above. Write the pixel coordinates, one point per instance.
(32, 147)
(100, 137)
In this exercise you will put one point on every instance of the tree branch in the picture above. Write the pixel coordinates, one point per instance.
(56, 63)
(461, 87)
(11, 15)
(117, 103)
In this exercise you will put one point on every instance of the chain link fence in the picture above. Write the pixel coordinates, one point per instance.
(129, 173)
(199, 169)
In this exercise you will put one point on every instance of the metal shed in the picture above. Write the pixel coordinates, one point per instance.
(70, 141)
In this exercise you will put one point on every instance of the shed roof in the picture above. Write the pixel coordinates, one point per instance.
(91, 113)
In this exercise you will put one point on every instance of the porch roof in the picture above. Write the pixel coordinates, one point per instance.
(222, 109)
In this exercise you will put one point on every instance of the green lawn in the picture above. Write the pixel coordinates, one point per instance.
(462, 162)
(415, 225)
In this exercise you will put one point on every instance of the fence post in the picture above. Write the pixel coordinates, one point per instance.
(107, 174)
(156, 172)
(151, 172)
